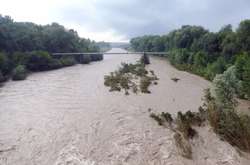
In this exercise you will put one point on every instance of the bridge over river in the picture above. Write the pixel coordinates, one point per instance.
(111, 53)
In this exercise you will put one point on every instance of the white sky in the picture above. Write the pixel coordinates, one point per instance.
(48, 11)
(120, 20)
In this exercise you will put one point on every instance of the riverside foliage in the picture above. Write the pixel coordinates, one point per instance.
(219, 111)
(27, 45)
(195, 49)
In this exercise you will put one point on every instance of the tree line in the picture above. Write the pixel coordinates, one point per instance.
(222, 57)
(196, 49)
(30, 45)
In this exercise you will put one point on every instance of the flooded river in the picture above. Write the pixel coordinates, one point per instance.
(68, 116)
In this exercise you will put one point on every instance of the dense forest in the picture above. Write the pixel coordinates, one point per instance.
(195, 49)
(25, 46)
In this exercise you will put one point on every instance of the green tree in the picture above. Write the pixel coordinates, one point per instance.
(243, 35)
(229, 47)
(19, 73)
(200, 60)
(217, 67)
(39, 61)
(225, 86)
(4, 64)
(246, 78)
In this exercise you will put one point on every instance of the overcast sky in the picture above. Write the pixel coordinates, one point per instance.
(120, 20)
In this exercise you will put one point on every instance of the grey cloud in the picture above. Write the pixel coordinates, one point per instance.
(139, 17)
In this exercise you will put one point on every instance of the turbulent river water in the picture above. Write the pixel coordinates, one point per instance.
(68, 116)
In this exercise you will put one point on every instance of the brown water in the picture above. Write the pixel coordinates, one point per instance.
(68, 116)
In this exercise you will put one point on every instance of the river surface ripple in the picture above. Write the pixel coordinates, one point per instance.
(68, 116)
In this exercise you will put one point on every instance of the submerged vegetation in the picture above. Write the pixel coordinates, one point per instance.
(133, 77)
(175, 79)
(19, 73)
(182, 128)
(25, 46)
(219, 110)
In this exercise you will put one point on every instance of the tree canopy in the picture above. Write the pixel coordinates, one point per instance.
(26, 36)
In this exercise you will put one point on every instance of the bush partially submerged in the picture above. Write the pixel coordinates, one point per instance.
(144, 84)
(229, 125)
(19, 73)
(145, 59)
(182, 126)
(55, 64)
(162, 118)
(131, 77)
(175, 79)
(39, 61)
(96, 57)
(86, 59)
(67, 61)
(2, 79)
(183, 146)
(183, 122)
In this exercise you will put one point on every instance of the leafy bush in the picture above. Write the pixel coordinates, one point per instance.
(217, 67)
(4, 64)
(183, 130)
(19, 58)
(19, 73)
(67, 61)
(113, 81)
(183, 146)
(184, 125)
(233, 129)
(39, 61)
(144, 84)
(200, 60)
(55, 64)
(145, 59)
(162, 118)
(86, 59)
(126, 78)
(230, 126)
(167, 117)
(225, 87)
(243, 74)
(96, 57)
(157, 118)
(2, 79)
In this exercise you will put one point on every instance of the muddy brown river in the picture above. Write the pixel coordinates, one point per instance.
(68, 117)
